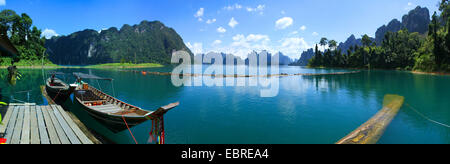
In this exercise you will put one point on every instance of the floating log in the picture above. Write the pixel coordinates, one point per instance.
(236, 75)
(371, 131)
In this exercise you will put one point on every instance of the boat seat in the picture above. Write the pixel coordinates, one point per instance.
(110, 108)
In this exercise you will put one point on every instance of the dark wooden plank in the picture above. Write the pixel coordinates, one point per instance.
(18, 127)
(25, 138)
(6, 119)
(69, 132)
(83, 138)
(11, 124)
(59, 130)
(43, 135)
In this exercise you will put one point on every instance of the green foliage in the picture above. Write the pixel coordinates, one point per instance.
(398, 50)
(25, 37)
(434, 55)
(2, 104)
(147, 42)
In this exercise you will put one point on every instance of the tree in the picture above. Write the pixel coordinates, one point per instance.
(7, 17)
(433, 33)
(332, 44)
(27, 39)
(323, 42)
(366, 41)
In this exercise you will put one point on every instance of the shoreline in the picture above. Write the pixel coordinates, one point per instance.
(99, 66)
(409, 71)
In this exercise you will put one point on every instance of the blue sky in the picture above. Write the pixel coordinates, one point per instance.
(231, 26)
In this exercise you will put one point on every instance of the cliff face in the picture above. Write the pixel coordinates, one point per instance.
(304, 58)
(417, 20)
(147, 42)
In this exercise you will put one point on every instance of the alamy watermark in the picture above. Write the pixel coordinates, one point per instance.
(255, 71)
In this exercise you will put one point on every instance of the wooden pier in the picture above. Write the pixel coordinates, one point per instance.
(34, 124)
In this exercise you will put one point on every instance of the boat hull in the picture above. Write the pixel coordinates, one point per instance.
(114, 123)
(59, 95)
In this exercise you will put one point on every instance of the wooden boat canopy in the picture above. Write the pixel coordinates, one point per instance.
(89, 76)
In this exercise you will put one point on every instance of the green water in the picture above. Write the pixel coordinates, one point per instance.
(320, 109)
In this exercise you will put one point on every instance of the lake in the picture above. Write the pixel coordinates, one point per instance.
(307, 109)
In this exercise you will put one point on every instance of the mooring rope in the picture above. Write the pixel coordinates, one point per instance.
(425, 117)
(129, 129)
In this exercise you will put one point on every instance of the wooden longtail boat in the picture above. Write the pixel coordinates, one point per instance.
(110, 111)
(58, 90)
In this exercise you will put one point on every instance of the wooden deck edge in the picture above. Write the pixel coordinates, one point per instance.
(45, 94)
(84, 129)
(75, 119)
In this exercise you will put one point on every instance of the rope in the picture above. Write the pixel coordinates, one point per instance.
(129, 129)
(56, 95)
(19, 100)
(425, 117)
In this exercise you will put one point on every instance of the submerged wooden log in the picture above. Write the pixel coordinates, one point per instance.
(371, 131)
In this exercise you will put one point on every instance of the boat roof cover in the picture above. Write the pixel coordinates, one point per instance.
(89, 76)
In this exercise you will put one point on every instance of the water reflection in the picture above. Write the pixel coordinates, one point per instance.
(308, 109)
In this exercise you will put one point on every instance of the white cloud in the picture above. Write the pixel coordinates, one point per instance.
(259, 8)
(303, 28)
(199, 13)
(409, 6)
(257, 38)
(196, 48)
(315, 34)
(49, 33)
(221, 30)
(216, 42)
(284, 23)
(103, 29)
(233, 22)
(232, 7)
(243, 45)
(2, 2)
(293, 46)
(211, 21)
(294, 32)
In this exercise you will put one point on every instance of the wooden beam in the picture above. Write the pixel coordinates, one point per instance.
(6, 119)
(83, 138)
(43, 135)
(61, 135)
(25, 139)
(11, 124)
(371, 131)
(69, 132)
(18, 127)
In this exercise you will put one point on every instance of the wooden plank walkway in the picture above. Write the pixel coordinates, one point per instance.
(34, 124)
